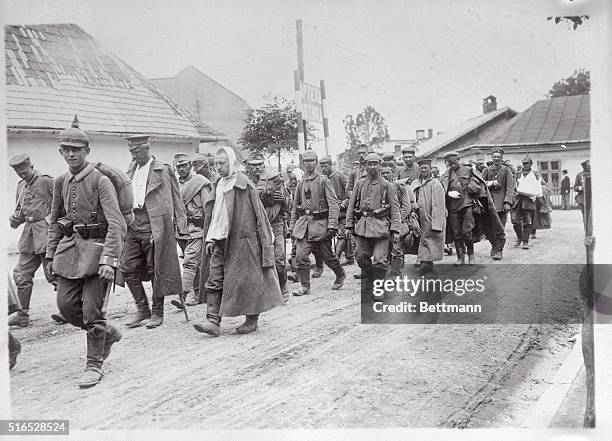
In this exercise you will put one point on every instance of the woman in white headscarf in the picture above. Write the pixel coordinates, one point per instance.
(238, 270)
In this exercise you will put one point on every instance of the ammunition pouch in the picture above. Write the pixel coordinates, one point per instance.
(318, 215)
(66, 225)
(196, 221)
(91, 231)
(379, 213)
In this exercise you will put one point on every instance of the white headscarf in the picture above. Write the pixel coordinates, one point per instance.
(298, 173)
(219, 223)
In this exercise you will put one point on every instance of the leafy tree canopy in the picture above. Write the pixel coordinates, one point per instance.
(579, 83)
(368, 127)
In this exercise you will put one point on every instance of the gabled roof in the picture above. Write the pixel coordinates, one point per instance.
(548, 121)
(445, 138)
(54, 71)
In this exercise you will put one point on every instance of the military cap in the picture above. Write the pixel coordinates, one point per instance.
(18, 160)
(372, 157)
(271, 174)
(424, 161)
(309, 155)
(200, 157)
(450, 154)
(138, 141)
(387, 163)
(527, 159)
(182, 158)
(480, 161)
(388, 157)
(356, 163)
(325, 160)
(362, 145)
(73, 136)
(497, 150)
(585, 164)
(408, 149)
(255, 159)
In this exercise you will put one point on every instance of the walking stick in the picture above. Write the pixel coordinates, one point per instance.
(107, 291)
(588, 339)
(184, 306)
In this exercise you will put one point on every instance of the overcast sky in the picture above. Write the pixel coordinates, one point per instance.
(421, 64)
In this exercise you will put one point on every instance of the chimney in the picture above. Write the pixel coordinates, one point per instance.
(397, 148)
(420, 134)
(489, 104)
(429, 133)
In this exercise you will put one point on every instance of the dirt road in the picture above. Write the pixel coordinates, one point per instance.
(311, 365)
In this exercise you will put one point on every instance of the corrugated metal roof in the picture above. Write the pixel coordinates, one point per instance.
(54, 71)
(552, 120)
(443, 139)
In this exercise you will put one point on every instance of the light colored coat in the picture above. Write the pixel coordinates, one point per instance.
(432, 218)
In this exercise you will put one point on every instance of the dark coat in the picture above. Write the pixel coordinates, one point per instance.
(165, 209)
(250, 282)
(323, 197)
(503, 191)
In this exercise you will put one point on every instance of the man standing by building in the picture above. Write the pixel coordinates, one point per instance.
(276, 200)
(374, 216)
(528, 188)
(461, 188)
(429, 194)
(242, 279)
(565, 191)
(410, 171)
(194, 190)
(85, 240)
(338, 180)
(314, 221)
(34, 196)
(202, 166)
(150, 246)
(499, 180)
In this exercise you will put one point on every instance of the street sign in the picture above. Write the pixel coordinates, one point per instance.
(312, 107)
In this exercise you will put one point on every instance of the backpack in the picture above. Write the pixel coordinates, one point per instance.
(123, 187)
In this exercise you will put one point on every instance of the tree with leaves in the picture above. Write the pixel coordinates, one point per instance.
(368, 127)
(579, 83)
(272, 129)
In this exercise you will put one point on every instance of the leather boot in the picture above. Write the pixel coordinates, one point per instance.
(460, 254)
(157, 313)
(113, 335)
(20, 318)
(304, 289)
(143, 312)
(249, 325)
(59, 318)
(191, 299)
(318, 272)
(96, 338)
(471, 259)
(340, 278)
(426, 267)
(518, 229)
(213, 319)
(526, 234)
(284, 290)
(397, 265)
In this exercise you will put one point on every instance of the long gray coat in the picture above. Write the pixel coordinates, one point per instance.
(432, 217)
(165, 209)
(250, 282)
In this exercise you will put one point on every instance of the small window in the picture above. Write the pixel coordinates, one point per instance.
(543, 165)
(554, 165)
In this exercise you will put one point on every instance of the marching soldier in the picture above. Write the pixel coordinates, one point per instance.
(150, 245)
(389, 160)
(374, 215)
(201, 166)
(242, 279)
(194, 190)
(410, 171)
(500, 181)
(339, 181)
(276, 201)
(461, 189)
(34, 196)
(359, 172)
(84, 245)
(407, 203)
(528, 188)
(256, 167)
(314, 221)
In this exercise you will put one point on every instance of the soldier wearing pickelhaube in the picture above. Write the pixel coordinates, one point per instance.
(276, 200)
(194, 190)
(374, 216)
(314, 221)
(34, 196)
(85, 242)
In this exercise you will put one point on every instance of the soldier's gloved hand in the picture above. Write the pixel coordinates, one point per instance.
(13, 221)
(209, 247)
(454, 194)
(331, 232)
(106, 272)
(507, 206)
(278, 196)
